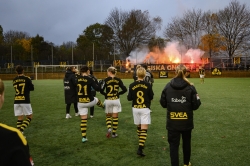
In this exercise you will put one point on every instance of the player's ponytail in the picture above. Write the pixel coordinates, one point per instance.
(181, 71)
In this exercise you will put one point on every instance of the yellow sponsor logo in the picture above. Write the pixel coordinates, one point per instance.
(112, 98)
(140, 106)
(139, 85)
(178, 115)
(163, 73)
(84, 100)
(110, 81)
(20, 98)
(82, 79)
(18, 80)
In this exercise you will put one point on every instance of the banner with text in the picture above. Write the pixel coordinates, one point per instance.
(171, 67)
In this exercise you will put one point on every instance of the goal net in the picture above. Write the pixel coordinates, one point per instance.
(41, 69)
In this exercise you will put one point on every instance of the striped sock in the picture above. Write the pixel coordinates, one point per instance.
(83, 126)
(100, 104)
(19, 124)
(143, 137)
(138, 131)
(115, 125)
(108, 121)
(25, 124)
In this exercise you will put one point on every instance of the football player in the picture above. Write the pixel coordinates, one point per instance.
(110, 89)
(141, 93)
(85, 98)
(14, 149)
(22, 107)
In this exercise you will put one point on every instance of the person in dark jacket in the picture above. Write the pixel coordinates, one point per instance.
(149, 76)
(70, 92)
(14, 149)
(178, 97)
(93, 91)
(135, 75)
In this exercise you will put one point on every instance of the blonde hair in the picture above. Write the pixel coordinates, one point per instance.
(180, 73)
(1, 87)
(138, 66)
(112, 70)
(141, 72)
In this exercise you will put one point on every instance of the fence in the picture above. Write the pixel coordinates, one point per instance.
(121, 65)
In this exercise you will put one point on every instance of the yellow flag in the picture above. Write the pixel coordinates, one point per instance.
(117, 63)
(236, 60)
(90, 63)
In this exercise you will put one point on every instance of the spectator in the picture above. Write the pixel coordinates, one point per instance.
(70, 92)
(180, 98)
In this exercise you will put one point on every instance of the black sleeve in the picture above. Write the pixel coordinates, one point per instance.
(102, 87)
(19, 152)
(163, 99)
(196, 102)
(151, 93)
(152, 78)
(95, 85)
(134, 76)
(20, 157)
(129, 96)
(73, 79)
(30, 84)
(123, 87)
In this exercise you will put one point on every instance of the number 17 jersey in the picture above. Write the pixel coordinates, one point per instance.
(22, 85)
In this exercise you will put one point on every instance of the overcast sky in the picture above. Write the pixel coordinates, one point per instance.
(61, 21)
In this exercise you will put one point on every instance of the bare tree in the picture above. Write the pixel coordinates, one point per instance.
(187, 30)
(132, 28)
(12, 36)
(233, 23)
(211, 41)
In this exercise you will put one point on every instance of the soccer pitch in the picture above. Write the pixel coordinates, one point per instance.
(220, 137)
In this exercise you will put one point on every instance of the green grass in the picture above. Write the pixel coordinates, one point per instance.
(220, 137)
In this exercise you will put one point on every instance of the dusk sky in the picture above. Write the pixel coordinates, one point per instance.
(61, 21)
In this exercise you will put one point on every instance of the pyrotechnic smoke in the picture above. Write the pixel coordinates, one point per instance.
(174, 52)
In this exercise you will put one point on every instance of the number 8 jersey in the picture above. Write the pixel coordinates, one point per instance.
(141, 94)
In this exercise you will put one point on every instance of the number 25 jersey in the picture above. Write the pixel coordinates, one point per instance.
(110, 88)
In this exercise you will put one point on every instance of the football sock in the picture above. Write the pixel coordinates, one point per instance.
(115, 125)
(83, 127)
(108, 121)
(25, 124)
(138, 131)
(19, 124)
(100, 104)
(142, 137)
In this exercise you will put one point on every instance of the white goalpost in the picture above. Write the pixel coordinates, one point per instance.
(52, 68)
